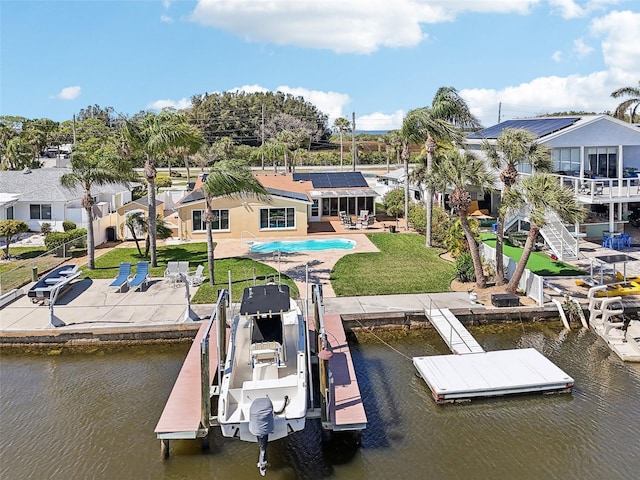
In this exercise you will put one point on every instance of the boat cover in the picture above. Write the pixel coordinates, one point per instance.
(265, 298)
(261, 417)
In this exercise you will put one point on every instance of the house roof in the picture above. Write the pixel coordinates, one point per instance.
(333, 179)
(43, 185)
(538, 126)
(547, 128)
(144, 201)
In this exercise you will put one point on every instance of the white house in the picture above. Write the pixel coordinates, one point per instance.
(37, 197)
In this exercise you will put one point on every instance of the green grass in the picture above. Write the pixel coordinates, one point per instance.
(402, 266)
(539, 263)
(243, 270)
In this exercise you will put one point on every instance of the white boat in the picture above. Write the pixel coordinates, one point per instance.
(263, 393)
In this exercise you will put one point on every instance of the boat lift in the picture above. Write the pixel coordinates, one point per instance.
(191, 409)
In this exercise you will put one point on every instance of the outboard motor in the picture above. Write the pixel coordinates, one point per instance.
(261, 424)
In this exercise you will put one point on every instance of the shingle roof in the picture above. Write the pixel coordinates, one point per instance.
(43, 185)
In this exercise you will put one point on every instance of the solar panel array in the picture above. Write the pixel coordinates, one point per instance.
(538, 126)
(288, 194)
(333, 179)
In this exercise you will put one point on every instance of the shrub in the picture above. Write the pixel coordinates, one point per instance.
(163, 181)
(418, 218)
(68, 225)
(464, 268)
(55, 239)
(45, 228)
(440, 225)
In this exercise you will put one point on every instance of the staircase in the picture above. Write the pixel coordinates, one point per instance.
(558, 238)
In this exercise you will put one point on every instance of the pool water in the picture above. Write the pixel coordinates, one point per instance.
(296, 246)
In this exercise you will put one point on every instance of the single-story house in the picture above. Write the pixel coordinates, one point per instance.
(244, 216)
(38, 197)
(135, 206)
(295, 200)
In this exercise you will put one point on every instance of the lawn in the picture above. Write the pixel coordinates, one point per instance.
(402, 266)
(243, 270)
(539, 263)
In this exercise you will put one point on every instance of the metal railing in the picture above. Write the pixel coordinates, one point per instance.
(27, 269)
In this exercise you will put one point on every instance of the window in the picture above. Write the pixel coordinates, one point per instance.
(220, 220)
(315, 208)
(603, 161)
(9, 213)
(40, 212)
(278, 217)
(567, 160)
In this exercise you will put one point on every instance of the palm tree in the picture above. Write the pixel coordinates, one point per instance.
(93, 164)
(341, 125)
(152, 136)
(540, 193)
(228, 179)
(513, 148)
(421, 125)
(632, 104)
(460, 171)
(136, 222)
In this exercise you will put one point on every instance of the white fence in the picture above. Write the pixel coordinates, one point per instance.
(530, 283)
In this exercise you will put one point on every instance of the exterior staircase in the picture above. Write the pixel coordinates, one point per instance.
(559, 240)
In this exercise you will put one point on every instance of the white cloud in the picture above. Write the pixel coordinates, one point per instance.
(179, 105)
(380, 121)
(581, 48)
(567, 8)
(557, 56)
(69, 93)
(166, 4)
(166, 19)
(621, 44)
(355, 26)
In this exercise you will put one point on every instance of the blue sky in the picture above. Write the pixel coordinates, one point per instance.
(377, 58)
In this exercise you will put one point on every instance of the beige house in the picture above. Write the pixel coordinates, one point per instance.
(285, 212)
(139, 205)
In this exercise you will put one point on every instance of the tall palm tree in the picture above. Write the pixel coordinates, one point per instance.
(541, 193)
(514, 147)
(151, 136)
(91, 165)
(341, 125)
(421, 125)
(460, 171)
(229, 179)
(632, 104)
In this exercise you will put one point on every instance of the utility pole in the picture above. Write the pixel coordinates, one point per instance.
(74, 129)
(353, 137)
(262, 149)
(499, 111)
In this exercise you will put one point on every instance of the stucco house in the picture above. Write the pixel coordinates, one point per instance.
(295, 200)
(37, 197)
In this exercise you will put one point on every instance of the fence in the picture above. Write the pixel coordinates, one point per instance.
(26, 269)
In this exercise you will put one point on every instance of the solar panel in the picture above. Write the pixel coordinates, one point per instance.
(332, 179)
(538, 126)
(287, 194)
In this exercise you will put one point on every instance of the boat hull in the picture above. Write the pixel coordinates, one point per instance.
(282, 428)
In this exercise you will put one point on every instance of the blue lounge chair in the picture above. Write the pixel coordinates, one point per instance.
(141, 277)
(123, 276)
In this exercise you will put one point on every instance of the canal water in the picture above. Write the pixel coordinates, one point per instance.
(91, 415)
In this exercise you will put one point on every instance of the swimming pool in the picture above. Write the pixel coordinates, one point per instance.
(296, 246)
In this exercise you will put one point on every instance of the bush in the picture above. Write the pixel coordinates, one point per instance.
(68, 225)
(55, 239)
(45, 228)
(440, 225)
(418, 217)
(163, 181)
(464, 268)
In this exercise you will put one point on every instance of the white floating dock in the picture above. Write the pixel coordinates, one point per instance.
(490, 374)
(455, 335)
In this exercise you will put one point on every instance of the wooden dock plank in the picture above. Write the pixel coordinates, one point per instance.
(181, 414)
(347, 411)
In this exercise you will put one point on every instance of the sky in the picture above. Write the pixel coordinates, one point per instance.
(375, 58)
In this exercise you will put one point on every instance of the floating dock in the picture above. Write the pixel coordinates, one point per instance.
(473, 373)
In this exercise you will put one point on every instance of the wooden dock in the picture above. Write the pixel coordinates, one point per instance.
(181, 417)
(346, 408)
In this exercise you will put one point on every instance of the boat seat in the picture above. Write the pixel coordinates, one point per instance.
(52, 281)
(264, 371)
(266, 352)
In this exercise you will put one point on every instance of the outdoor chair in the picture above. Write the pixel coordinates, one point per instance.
(171, 271)
(196, 278)
(141, 278)
(349, 223)
(123, 276)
